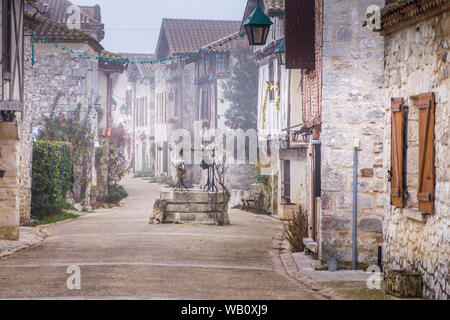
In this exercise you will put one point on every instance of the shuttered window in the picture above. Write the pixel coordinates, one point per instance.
(425, 192)
(6, 36)
(300, 34)
(397, 152)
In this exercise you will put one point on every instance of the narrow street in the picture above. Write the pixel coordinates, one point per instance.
(121, 256)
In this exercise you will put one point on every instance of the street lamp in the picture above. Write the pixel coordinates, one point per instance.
(280, 51)
(257, 27)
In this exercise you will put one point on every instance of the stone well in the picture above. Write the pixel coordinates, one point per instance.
(194, 206)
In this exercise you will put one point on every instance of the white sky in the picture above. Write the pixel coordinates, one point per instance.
(133, 25)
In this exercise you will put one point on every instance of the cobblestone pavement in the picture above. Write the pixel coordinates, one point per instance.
(120, 255)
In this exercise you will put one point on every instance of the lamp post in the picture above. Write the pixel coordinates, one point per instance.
(280, 51)
(257, 27)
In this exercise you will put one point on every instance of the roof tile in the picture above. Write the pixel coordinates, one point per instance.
(185, 35)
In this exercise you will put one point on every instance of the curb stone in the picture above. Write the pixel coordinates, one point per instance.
(292, 269)
(41, 235)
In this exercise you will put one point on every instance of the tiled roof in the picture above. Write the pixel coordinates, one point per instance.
(402, 13)
(58, 33)
(145, 69)
(275, 7)
(184, 35)
(113, 66)
(56, 11)
(240, 42)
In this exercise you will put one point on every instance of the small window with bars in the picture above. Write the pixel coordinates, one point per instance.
(221, 62)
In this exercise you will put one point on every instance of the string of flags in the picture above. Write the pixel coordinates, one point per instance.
(106, 59)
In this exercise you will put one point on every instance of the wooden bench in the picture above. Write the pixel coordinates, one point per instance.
(256, 200)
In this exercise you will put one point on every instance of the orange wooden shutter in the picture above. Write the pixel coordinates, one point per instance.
(425, 192)
(397, 181)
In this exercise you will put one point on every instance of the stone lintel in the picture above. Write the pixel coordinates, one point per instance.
(417, 216)
(11, 106)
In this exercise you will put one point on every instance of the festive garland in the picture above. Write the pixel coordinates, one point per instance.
(264, 106)
(99, 58)
(277, 102)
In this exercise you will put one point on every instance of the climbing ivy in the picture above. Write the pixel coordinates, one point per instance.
(77, 130)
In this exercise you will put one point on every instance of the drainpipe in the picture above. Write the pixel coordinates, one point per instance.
(134, 124)
(356, 145)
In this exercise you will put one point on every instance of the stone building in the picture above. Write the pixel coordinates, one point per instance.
(212, 71)
(134, 110)
(176, 91)
(351, 100)
(64, 74)
(417, 136)
(109, 134)
(273, 96)
(15, 149)
(334, 99)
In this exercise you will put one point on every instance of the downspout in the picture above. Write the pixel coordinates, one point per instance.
(134, 125)
(355, 206)
(289, 108)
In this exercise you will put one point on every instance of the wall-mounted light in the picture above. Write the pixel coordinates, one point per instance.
(280, 51)
(257, 27)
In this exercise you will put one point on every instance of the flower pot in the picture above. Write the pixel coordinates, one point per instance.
(403, 284)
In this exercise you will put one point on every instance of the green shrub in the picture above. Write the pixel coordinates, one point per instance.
(53, 176)
(116, 193)
(143, 174)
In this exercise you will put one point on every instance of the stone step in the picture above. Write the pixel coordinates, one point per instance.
(193, 207)
(193, 196)
(194, 217)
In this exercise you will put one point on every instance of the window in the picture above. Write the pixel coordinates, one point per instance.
(271, 79)
(287, 181)
(205, 105)
(129, 101)
(221, 62)
(6, 36)
(300, 33)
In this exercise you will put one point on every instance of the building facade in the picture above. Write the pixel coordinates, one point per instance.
(134, 111)
(416, 206)
(331, 98)
(14, 123)
(177, 92)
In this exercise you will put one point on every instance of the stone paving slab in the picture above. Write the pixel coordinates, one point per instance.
(306, 264)
(28, 237)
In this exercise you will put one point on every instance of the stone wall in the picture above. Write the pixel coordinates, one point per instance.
(26, 152)
(352, 97)
(10, 147)
(417, 61)
(62, 81)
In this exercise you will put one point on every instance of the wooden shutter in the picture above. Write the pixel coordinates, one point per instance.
(397, 154)
(425, 192)
(300, 34)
